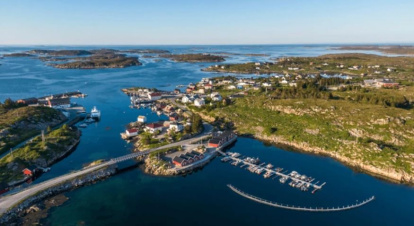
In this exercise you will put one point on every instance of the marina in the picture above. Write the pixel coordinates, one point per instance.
(299, 181)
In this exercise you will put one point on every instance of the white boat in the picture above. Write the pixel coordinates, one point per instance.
(95, 113)
(83, 125)
(90, 120)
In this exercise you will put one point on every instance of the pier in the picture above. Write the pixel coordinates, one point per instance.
(298, 208)
(275, 172)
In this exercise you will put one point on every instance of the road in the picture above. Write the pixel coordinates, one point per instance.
(9, 201)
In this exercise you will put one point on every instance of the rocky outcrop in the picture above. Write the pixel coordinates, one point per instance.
(388, 173)
(20, 210)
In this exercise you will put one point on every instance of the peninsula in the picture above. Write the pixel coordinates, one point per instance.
(366, 124)
(356, 64)
(387, 49)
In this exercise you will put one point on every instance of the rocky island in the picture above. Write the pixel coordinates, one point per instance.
(18, 55)
(193, 58)
(100, 61)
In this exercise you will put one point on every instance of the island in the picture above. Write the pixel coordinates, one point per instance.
(146, 51)
(193, 58)
(99, 61)
(387, 49)
(18, 55)
(60, 52)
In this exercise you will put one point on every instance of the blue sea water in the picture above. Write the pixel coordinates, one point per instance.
(201, 198)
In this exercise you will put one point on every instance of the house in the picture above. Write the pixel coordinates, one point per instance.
(142, 119)
(131, 132)
(266, 84)
(153, 127)
(257, 64)
(173, 117)
(189, 159)
(189, 90)
(216, 96)
(31, 100)
(199, 102)
(208, 86)
(231, 87)
(178, 161)
(221, 138)
(154, 96)
(169, 108)
(177, 127)
(325, 64)
(185, 99)
(27, 172)
(30, 171)
(58, 103)
(177, 91)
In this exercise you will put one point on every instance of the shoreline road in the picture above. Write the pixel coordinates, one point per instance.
(11, 200)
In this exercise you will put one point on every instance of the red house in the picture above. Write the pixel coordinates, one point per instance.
(178, 161)
(27, 172)
(220, 139)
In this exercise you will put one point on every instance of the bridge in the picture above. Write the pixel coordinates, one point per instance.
(298, 208)
(11, 200)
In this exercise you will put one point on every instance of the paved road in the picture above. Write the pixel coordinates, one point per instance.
(9, 201)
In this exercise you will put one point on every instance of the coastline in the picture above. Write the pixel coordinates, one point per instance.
(393, 177)
(278, 141)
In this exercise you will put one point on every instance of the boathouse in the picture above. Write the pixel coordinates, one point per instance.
(179, 161)
(220, 139)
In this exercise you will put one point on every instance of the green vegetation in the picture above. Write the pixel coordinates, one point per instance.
(194, 57)
(366, 64)
(370, 127)
(100, 61)
(19, 122)
(37, 152)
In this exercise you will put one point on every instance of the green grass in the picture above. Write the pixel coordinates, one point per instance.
(328, 124)
(55, 143)
(28, 118)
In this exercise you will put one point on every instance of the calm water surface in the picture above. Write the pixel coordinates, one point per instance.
(201, 198)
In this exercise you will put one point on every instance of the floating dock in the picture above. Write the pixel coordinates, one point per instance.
(298, 181)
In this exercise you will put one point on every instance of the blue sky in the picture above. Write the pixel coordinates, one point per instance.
(125, 22)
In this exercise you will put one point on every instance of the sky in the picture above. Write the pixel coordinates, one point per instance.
(165, 22)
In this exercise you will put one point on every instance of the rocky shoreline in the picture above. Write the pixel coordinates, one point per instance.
(15, 214)
(389, 175)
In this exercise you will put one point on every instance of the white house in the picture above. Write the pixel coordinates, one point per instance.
(231, 87)
(154, 96)
(216, 96)
(185, 99)
(177, 127)
(257, 64)
(153, 127)
(131, 132)
(199, 102)
(142, 118)
(266, 84)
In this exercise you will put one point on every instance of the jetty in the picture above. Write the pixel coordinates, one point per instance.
(299, 208)
(293, 176)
